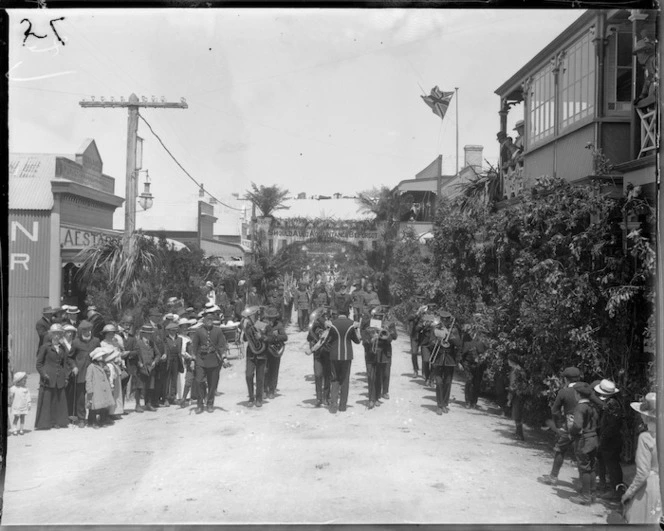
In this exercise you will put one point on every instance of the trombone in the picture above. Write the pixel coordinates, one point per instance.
(442, 341)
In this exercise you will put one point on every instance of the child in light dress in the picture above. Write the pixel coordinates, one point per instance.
(19, 402)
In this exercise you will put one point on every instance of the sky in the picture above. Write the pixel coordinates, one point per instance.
(314, 100)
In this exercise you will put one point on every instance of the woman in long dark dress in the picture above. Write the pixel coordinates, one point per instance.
(53, 366)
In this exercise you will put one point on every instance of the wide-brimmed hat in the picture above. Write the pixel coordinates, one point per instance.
(147, 329)
(56, 327)
(271, 313)
(606, 388)
(212, 309)
(195, 326)
(69, 328)
(170, 317)
(48, 310)
(19, 376)
(648, 406)
(111, 355)
(172, 326)
(98, 353)
(73, 310)
(518, 124)
(109, 328)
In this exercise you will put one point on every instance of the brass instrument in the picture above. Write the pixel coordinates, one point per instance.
(442, 341)
(377, 327)
(252, 330)
(323, 334)
(277, 348)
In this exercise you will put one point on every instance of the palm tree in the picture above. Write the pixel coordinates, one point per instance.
(267, 198)
(383, 204)
(125, 264)
(480, 190)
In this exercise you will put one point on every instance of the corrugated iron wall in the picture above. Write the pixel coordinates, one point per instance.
(29, 248)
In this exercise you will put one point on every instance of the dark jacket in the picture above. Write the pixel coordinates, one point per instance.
(342, 333)
(471, 357)
(377, 350)
(584, 426)
(610, 425)
(54, 365)
(173, 350)
(80, 355)
(563, 407)
(208, 347)
(341, 302)
(42, 327)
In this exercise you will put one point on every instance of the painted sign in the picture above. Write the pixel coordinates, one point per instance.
(325, 234)
(73, 238)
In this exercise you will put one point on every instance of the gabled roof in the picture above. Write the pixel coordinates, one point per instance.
(89, 143)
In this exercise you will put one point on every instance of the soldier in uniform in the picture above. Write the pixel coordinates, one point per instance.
(255, 361)
(275, 337)
(426, 340)
(301, 303)
(584, 433)
(472, 360)
(378, 354)
(209, 348)
(321, 356)
(343, 333)
(447, 358)
(413, 322)
(563, 417)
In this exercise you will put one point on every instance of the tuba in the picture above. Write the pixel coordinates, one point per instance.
(323, 334)
(377, 327)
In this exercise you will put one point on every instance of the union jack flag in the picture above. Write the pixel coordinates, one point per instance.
(439, 101)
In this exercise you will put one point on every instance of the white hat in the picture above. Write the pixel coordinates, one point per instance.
(19, 376)
(66, 307)
(69, 328)
(241, 283)
(56, 327)
(111, 355)
(209, 284)
(195, 326)
(97, 353)
(72, 309)
(606, 388)
(172, 300)
(648, 406)
(171, 317)
(109, 328)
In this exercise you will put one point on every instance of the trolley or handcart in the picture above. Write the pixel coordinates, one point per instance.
(234, 344)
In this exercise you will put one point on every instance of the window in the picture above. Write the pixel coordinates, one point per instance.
(541, 105)
(577, 82)
(619, 72)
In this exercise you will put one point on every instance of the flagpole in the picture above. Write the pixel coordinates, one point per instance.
(456, 90)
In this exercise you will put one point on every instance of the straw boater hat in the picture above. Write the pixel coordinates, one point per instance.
(69, 328)
(73, 310)
(19, 376)
(647, 407)
(147, 329)
(172, 300)
(606, 388)
(195, 326)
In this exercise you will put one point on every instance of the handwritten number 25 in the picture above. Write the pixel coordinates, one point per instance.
(28, 32)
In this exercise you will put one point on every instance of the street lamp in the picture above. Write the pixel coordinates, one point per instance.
(146, 198)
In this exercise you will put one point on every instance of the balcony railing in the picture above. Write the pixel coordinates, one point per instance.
(513, 179)
(648, 123)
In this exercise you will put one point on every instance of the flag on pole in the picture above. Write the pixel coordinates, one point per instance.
(439, 101)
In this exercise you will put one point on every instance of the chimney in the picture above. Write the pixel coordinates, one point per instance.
(201, 191)
(473, 157)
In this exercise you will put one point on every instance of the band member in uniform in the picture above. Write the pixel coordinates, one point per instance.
(444, 354)
(301, 304)
(256, 355)
(321, 355)
(357, 300)
(384, 359)
(209, 348)
(343, 331)
(426, 340)
(413, 321)
(275, 338)
(474, 364)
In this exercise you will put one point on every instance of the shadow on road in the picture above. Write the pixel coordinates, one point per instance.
(309, 378)
(430, 407)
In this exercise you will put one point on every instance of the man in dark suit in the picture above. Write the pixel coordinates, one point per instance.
(442, 367)
(275, 336)
(44, 324)
(342, 332)
(209, 349)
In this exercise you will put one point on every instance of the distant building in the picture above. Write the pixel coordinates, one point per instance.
(58, 204)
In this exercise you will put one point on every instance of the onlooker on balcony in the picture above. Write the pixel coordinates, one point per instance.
(647, 56)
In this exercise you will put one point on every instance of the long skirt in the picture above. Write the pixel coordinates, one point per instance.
(51, 408)
(646, 505)
(118, 409)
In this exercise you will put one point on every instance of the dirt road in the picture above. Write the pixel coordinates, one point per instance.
(290, 462)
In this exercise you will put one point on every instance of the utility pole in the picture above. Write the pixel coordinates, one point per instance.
(131, 185)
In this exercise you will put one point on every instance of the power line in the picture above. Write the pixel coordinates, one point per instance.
(182, 167)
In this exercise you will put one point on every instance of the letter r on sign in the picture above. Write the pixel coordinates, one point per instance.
(18, 258)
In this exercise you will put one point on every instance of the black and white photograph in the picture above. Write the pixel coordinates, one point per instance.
(333, 265)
